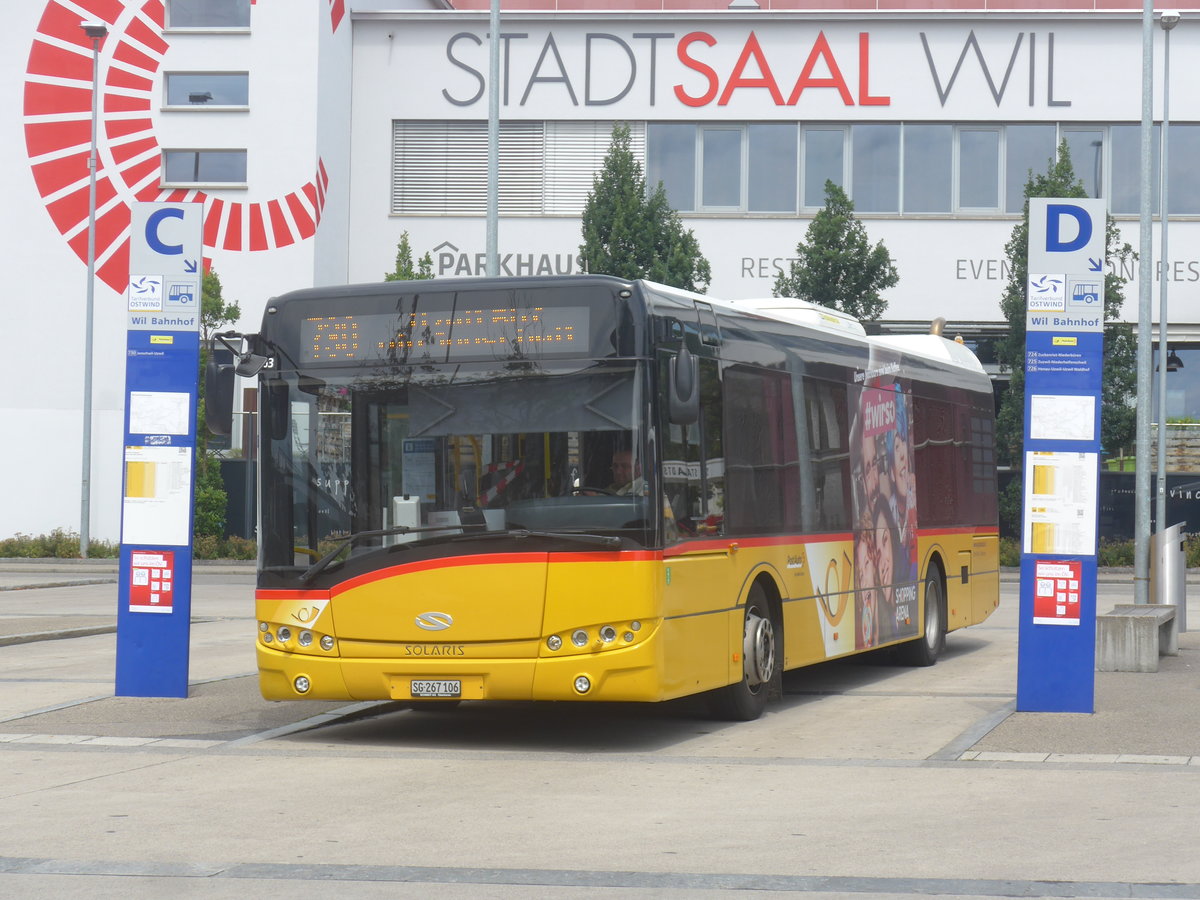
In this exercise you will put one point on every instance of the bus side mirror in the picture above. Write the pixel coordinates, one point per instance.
(683, 392)
(218, 395)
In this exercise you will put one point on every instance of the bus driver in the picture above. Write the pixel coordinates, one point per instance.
(627, 474)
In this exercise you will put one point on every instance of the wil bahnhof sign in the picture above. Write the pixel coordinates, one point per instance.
(1064, 350)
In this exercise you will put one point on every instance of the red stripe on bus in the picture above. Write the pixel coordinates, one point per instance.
(773, 541)
(609, 556)
(441, 563)
(934, 532)
(281, 594)
(489, 559)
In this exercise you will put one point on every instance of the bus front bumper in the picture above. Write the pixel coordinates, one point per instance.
(619, 674)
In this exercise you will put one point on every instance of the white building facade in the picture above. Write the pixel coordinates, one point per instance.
(317, 133)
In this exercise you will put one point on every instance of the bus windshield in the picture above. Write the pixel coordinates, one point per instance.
(445, 455)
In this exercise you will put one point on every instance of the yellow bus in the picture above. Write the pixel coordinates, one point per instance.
(595, 489)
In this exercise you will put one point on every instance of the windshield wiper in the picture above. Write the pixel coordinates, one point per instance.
(522, 533)
(323, 563)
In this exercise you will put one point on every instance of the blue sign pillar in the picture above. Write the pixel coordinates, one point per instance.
(161, 387)
(1064, 354)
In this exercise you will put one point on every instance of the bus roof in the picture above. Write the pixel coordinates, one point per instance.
(812, 315)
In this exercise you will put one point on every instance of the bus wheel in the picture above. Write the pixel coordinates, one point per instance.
(925, 650)
(746, 699)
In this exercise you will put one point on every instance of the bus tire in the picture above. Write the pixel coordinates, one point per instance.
(925, 650)
(746, 699)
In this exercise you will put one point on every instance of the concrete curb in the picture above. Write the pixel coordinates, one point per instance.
(56, 584)
(33, 636)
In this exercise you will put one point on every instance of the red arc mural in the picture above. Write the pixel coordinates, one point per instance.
(58, 108)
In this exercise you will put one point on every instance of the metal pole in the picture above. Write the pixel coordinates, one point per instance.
(1141, 530)
(493, 147)
(1167, 20)
(96, 31)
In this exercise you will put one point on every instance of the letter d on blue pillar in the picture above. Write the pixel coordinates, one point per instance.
(1064, 359)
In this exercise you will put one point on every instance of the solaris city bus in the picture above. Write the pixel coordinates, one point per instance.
(439, 520)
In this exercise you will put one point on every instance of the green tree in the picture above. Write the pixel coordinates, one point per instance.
(835, 264)
(632, 233)
(404, 270)
(1119, 377)
(215, 313)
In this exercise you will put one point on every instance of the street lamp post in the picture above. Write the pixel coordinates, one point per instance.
(1168, 20)
(493, 141)
(96, 31)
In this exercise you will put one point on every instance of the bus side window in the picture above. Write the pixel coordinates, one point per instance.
(693, 468)
(828, 436)
(712, 418)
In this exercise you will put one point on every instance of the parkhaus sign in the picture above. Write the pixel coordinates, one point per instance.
(781, 69)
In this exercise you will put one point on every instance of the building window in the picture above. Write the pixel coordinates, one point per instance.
(979, 169)
(440, 167)
(574, 153)
(726, 167)
(1125, 151)
(192, 90)
(208, 13)
(204, 166)
(1086, 146)
(671, 159)
(739, 168)
(1027, 148)
(772, 167)
(824, 160)
(1183, 197)
(928, 157)
(721, 178)
(875, 161)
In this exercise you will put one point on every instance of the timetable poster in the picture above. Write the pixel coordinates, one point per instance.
(1060, 502)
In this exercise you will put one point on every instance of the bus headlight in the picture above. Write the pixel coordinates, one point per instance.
(579, 638)
(284, 634)
(583, 684)
(305, 638)
(608, 634)
(302, 684)
(327, 642)
(554, 642)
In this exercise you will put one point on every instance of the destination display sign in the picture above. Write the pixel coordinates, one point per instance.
(443, 335)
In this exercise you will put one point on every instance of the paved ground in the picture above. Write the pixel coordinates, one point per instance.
(866, 778)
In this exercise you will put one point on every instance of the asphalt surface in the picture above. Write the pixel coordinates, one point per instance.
(866, 779)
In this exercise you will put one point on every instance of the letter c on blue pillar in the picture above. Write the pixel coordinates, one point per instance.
(153, 222)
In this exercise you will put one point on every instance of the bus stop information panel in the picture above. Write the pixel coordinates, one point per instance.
(1064, 355)
(161, 388)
